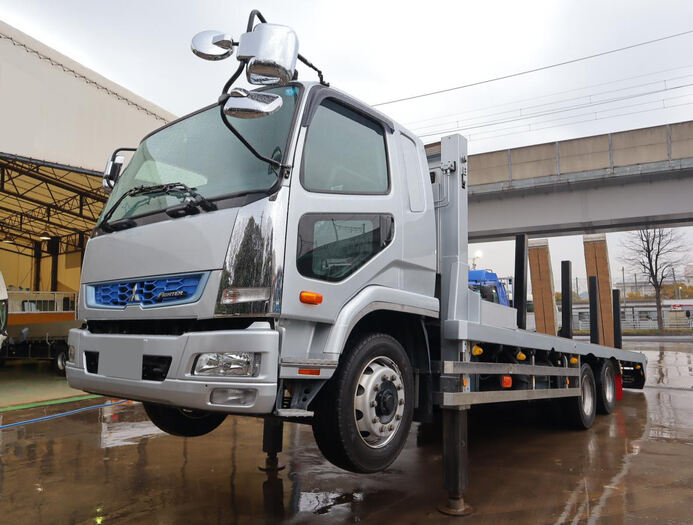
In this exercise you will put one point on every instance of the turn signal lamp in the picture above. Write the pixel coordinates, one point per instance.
(309, 371)
(574, 360)
(477, 350)
(506, 381)
(311, 298)
(521, 356)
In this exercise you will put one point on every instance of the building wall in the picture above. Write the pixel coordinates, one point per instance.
(18, 271)
(61, 111)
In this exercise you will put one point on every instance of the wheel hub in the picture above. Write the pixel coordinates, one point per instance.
(379, 402)
(386, 402)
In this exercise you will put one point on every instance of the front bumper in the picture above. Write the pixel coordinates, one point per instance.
(120, 367)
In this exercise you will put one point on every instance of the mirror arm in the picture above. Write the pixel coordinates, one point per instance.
(310, 65)
(115, 153)
(251, 19)
(278, 165)
(230, 81)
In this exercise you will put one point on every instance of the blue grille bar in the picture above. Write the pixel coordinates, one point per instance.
(150, 292)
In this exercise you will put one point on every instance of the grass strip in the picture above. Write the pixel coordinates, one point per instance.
(49, 402)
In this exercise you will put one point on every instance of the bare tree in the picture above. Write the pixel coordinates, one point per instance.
(655, 252)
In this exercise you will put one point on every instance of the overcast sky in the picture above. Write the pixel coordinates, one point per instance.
(380, 51)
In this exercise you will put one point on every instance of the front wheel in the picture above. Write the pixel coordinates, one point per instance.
(182, 421)
(364, 412)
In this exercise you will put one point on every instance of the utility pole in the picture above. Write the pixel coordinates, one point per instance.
(635, 276)
(577, 288)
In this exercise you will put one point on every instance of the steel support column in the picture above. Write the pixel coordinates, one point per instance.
(37, 265)
(54, 249)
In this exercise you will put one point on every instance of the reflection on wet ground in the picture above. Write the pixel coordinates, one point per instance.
(112, 466)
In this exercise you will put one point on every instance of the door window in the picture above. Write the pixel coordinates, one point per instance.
(344, 153)
(332, 247)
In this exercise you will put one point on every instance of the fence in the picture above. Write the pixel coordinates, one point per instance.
(28, 302)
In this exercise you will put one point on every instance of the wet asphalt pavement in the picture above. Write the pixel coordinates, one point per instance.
(111, 465)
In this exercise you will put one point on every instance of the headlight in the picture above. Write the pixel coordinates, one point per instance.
(71, 354)
(227, 364)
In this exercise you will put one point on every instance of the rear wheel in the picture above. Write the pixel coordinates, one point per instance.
(580, 411)
(606, 387)
(182, 421)
(364, 412)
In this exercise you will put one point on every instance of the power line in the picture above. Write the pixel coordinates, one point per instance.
(535, 70)
(547, 112)
(456, 118)
(595, 118)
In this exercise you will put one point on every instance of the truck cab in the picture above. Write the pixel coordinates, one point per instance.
(247, 307)
(487, 284)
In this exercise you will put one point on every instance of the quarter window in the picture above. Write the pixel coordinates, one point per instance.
(344, 153)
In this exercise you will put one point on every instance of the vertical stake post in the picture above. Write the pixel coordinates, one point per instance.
(618, 339)
(566, 300)
(593, 287)
(520, 281)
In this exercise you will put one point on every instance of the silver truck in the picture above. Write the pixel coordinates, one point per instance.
(288, 252)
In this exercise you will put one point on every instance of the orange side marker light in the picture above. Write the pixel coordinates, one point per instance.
(309, 371)
(310, 298)
(506, 381)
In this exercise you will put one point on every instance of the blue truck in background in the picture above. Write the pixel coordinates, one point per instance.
(487, 284)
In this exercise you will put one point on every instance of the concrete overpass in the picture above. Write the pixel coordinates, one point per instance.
(617, 181)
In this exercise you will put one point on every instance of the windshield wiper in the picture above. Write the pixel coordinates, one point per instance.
(192, 205)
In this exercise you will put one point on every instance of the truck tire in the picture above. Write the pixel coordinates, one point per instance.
(59, 360)
(580, 411)
(606, 387)
(181, 421)
(364, 412)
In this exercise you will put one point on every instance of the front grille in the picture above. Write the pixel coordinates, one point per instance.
(154, 291)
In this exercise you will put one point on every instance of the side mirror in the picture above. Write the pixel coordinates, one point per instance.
(271, 52)
(212, 45)
(111, 173)
(251, 104)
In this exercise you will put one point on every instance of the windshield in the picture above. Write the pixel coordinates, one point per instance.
(202, 153)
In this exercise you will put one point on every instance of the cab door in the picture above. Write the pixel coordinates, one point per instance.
(344, 209)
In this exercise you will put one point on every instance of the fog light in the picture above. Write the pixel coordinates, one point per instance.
(71, 353)
(233, 396)
(227, 364)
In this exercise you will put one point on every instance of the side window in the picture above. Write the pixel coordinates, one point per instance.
(412, 167)
(344, 153)
(332, 247)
